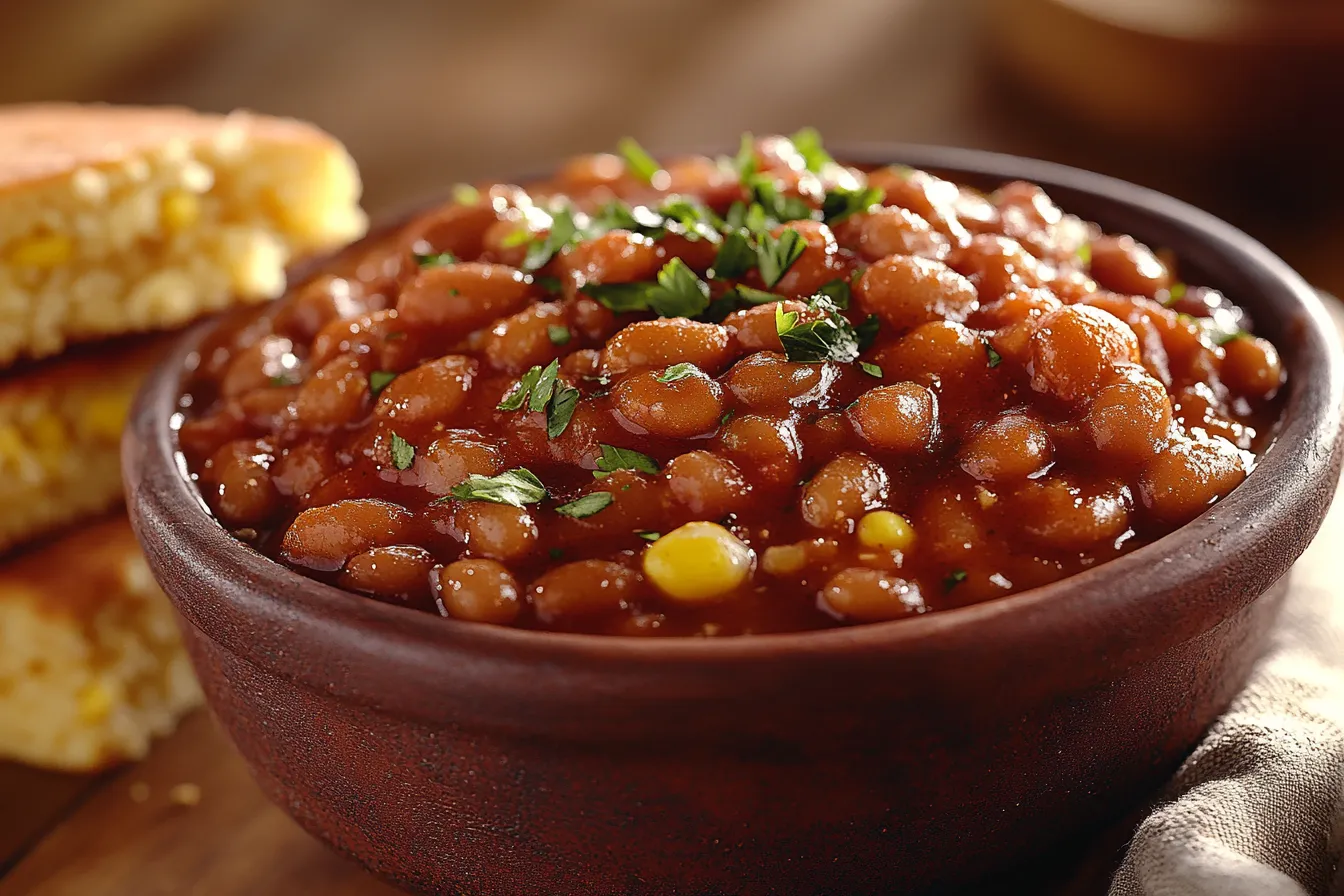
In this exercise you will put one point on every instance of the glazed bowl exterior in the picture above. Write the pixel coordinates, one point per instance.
(457, 758)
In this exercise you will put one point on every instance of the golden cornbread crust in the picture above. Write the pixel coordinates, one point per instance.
(117, 220)
(60, 432)
(91, 663)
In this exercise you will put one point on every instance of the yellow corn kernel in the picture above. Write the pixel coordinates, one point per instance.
(179, 210)
(883, 530)
(46, 251)
(104, 416)
(12, 449)
(784, 559)
(48, 434)
(95, 702)
(698, 562)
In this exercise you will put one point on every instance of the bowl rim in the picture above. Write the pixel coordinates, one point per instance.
(1303, 459)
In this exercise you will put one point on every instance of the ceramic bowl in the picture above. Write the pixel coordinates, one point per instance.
(469, 759)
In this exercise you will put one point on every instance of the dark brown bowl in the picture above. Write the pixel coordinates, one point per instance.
(458, 758)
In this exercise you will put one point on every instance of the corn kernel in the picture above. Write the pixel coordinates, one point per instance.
(885, 531)
(179, 210)
(45, 251)
(12, 449)
(48, 434)
(104, 416)
(698, 562)
(95, 702)
(784, 559)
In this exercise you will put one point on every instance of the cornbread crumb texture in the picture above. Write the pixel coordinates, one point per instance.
(60, 434)
(91, 663)
(124, 219)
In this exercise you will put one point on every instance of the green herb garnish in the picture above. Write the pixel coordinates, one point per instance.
(515, 238)
(829, 337)
(637, 159)
(379, 380)
(808, 143)
(287, 378)
(736, 257)
(678, 372)
(870, 369)
(403, 453)
(678, 293)
(548, 284)
(867, 332)
(953, 579)
(1084, 254)
(517, 487)
(614, 459)
(588, 505)
(561, 410)
(745, 160)
(466, 194)
(650, 536)
(545, 387)
(747, 295)
(773, 203)
(995, 359)
(1175, 293)
(563, 232)
(558, 334)
(556, 553)
(840, 203)
(527, 384)
(435, 259)
(838, 291)
(775, 255)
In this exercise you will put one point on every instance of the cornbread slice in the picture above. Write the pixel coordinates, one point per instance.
(123, 219)
(60, 434)
(91, 663)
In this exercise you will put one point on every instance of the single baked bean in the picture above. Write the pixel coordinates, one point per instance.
(901, 417)
(1130, 421)
(1190, 474)
(448, 461)
(594, 321)
(1011, 447)
(372, 337)
(767, 450)
(432, 392)
(818, 265)
(697, 254)
(584, 587)
(824, 438)
(524, 340)
(768, 382)
(456, 228)
(324, 538)
(870, 595)
(463, 297)
(259, 365)
(497, 531)
(268, 408)
(1121, 264)
(997, 265)
(586, 362)
(842, 490)
(668, 341)
(300, 468)
(477, 591)
(906, 292)
(316, 304)
(617, 256)
(890, 230)
(397, 573)
(950, 523)
(681, 409)
(941, 354)
(243, 493)
(932, 198)
(585, 172)
(1061, 514)
(1075, 349)
(337, 394)
(755, 328)
(1251, 367)
(1015, 307)
(637, 503)
(709, 487)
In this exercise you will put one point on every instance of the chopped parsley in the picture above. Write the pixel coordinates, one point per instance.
(637, 159)
(545, 387)
(747, 295)
(466, 194)
(744, 163)
(516, 238)
(838, 291)
(995, 359)
(727, 417)
(1175, 293)
(828, 337)
(556, 553)
(563, 232)
(775, 255)
(586, 506)
(870, 369)
(736, 256)
(678, 293)
(808, 143)
(521, 392)
(549, 284)
(403, 453)
(517, 487)
(561, 411)
(678, 372)
(953, 579)
(539, 390)
(1084, 254)
(435, 259)
(650, 536)
(766, 195)
(867, 332)
(559, 334)
(840, 203)
(379, 380)
(614, 459)
(287, 378)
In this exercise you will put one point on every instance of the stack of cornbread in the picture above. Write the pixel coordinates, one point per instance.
(116, 225)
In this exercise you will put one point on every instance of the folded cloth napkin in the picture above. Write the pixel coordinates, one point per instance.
(1258, 808)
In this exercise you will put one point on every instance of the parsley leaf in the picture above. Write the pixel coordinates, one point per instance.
(747, 295)
(466, 194)
(637, 160)
(561, 410)
(614, 459)
(995, 359)
(526, 383)
(622, 297)
(379, 380)
(435, 259)
(515, 238)
(548, 284)
(871, 369)
(838, 292)
(563, 231)
(545, 387)
(1174, 294)
(1225, 338)
(588, 505)
(403, 453)
(690, 218)
(517, 487)
(683, 293)
(808, 143)
(953, 579)
(782, 208)
(745, 160)
(867, 332)
(649, 536)
(775, 255)
(827, 338)
(840, 203)
(558, 334)
(616, 215)
(736, 257)
(678, 372)
(1084, 254)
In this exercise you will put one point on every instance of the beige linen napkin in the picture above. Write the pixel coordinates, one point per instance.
(1258, 808)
